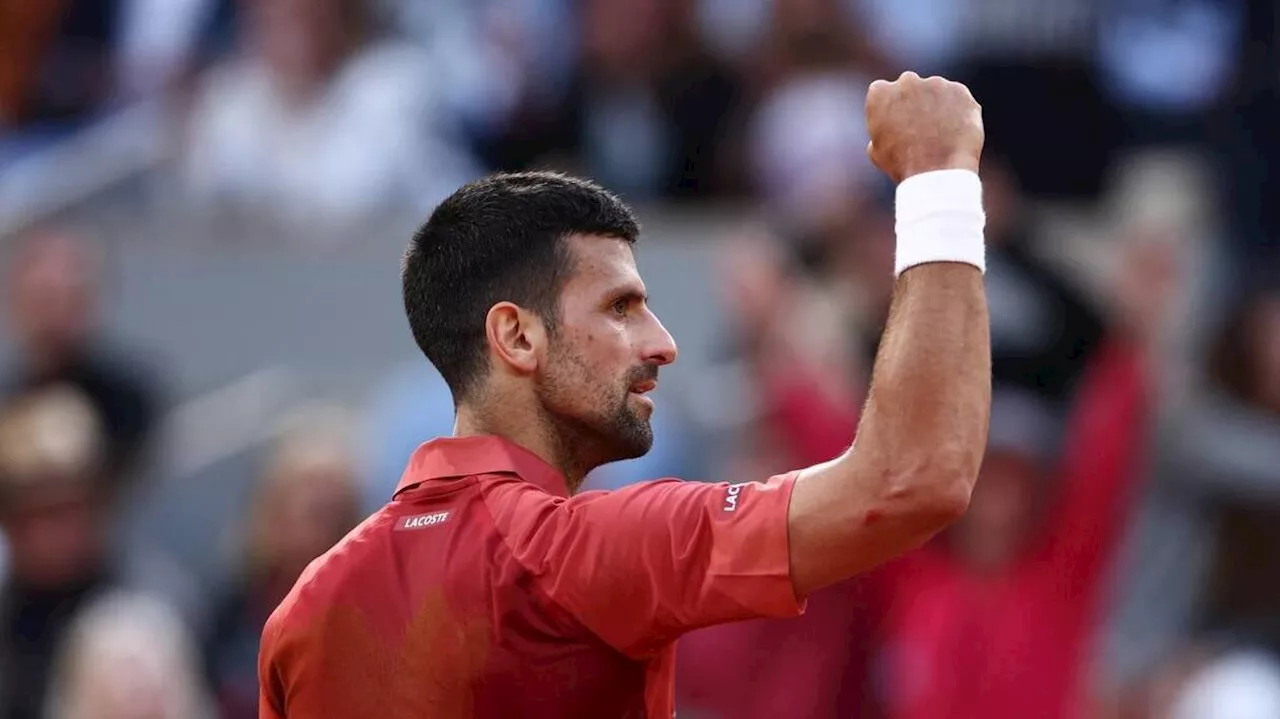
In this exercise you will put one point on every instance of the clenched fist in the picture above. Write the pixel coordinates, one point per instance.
(922, 124)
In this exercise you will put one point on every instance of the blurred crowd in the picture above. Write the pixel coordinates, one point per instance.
(1121, 556)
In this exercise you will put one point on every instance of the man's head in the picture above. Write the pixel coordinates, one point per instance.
(523, 291)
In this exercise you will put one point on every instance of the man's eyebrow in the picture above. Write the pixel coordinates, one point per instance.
(628, 292)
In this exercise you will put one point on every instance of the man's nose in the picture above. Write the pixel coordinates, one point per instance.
(661, 348)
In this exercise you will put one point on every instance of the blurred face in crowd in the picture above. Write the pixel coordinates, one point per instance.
(1265, 336)
(52, 294)
(995, 528)
(623, 38)
(56, 534)
(811, 34)
(871, 243)
(797, 14)
(309, 505)
(303, 41)
(602, 357)
(756, 284)
(1000, 200)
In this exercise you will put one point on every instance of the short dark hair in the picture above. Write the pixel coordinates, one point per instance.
(501, 238)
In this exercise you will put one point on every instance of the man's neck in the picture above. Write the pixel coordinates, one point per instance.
(531, 433)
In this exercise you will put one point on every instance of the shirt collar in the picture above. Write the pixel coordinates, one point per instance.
(448, 457)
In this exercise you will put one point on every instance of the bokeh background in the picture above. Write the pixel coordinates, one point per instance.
(207, 378)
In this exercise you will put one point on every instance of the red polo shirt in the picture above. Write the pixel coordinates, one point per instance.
(483, 590)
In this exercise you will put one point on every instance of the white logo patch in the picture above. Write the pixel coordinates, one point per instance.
(731, 499)
(422, 521)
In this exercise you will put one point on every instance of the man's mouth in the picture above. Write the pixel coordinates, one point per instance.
(646, 386)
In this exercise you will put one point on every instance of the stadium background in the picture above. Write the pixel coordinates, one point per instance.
(203, 202)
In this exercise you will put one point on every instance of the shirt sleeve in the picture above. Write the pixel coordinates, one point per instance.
(642, 565)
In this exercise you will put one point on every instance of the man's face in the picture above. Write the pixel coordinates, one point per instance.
(52, 296)
(604, 355)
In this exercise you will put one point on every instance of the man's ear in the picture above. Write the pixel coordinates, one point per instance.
(516, 337)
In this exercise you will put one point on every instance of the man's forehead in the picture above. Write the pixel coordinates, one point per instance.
(602, 260)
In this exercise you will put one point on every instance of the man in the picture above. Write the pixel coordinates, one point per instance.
(485, 588)
(52, 288)
(56, 520)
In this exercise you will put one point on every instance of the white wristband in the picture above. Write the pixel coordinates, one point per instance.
(940, 219)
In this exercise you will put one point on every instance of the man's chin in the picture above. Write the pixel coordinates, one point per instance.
(633, 441)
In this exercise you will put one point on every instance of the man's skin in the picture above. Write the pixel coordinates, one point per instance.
(924, 428)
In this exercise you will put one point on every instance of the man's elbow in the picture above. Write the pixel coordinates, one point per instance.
(937, 491)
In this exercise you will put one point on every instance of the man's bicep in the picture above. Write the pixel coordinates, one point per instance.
(644, 564)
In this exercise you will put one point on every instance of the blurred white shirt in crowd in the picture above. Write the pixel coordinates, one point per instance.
(808, 142)
(374, 140)
(1240, 685)
(490, 56)
(157, 38)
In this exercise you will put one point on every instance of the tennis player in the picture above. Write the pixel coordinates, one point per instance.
(488, 587)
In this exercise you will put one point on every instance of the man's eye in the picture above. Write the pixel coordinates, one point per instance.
(619, 307)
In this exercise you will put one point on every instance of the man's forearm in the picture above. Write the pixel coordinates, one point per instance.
(920, 440)
(926, 415)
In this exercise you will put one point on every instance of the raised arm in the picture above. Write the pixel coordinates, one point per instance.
(924, 427)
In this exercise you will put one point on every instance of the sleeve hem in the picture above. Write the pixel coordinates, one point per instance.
(789, 603)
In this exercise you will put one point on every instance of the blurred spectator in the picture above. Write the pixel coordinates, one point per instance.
(1043, 329)
(53, 287)
(56, 60)
(55, 515)
(1235, 681)
(1032, 66)
(807, 144)
(648, 111)
(996, 617)
(307, 499)
(325, 119)
(1242, 684)
(63, 62)
(162, 41)
(919, 35)
(128, 656)
(806, 376)
(1202, 556)
(994, 620)
(500, 62)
